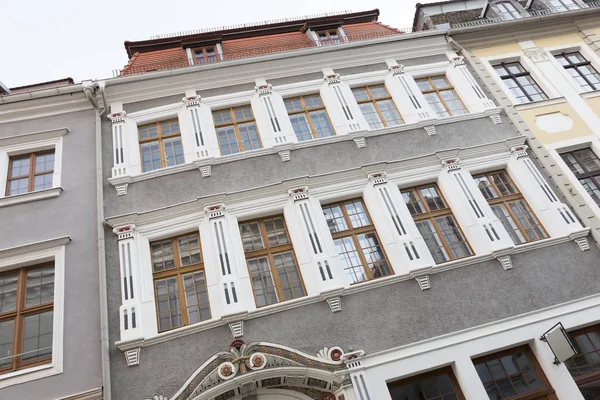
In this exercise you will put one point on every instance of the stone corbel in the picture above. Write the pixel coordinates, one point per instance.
(451, 164)
(581, 239)
(353, 359)
(191, 101)
(397, 69)
(457, 61)
(298, 194)
(332, 79)
(124, 232)
(503, 256)
(333, 299)
(121, 189)
(430, 129)
(215, 211)
(117, 117)
(377, 178)
(132, 356)
(360, 138)
(236, 323)
(263, 90)
(520, 151)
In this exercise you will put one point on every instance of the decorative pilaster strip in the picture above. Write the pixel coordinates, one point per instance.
(334, 82)
(121, 163)
(192, 103)
(300, 196)
(536, 54)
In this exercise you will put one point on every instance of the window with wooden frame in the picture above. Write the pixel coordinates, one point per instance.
(309, 117)
(328, 36)
(26, 317)
(271, 261)
(519, 82)
(356, 241)
(377, 106)
(441, 96)
(510, 207)
(30, 172)
(580, 69)
(513, 374)
(585, 165)
(179, 282)
(440, 384)
(585, 366)
(236, 130)
(160, 145)
(205, 55)
(437, 225)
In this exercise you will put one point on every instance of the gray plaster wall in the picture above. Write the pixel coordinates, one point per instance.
(372, 320)
(73, 213)
(265, 170)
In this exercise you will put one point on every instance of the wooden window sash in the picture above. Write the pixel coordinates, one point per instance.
(269, 252)
(178, 272)
(437, 92)
(374, 101)
(329, 39)
(587, 173)
(594, 375)
(160, 137)
(234, 122)
(306, 111)
(546, 390)
(18, 315)
(437, 372)
(32, 174)
(354, 232)
(431, 215)
(513, 76)
(505, 199)
(205, 55)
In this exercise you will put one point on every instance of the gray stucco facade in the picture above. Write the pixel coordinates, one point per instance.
(73, 214)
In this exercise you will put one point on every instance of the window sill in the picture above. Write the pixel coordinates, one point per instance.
(209, 161)
(29, 374)
(590, 95)
(32, 196)
(540, 103)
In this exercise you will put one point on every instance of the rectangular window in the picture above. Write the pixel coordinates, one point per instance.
(309, 118)
(440, 384)
(160, 145)
(436, 223)
(330, 36)
(26, 317)
(513, 374)
(271, 261)
(507, 11)
(586, 167)
(564, 5)
(179, 282)
(510, 207)
(441, 96)
(519, 82)
(30, 172)
(205, 55)
(377, 106)
(580, 69)
(356, 241)
(585, 366)
(236, 130)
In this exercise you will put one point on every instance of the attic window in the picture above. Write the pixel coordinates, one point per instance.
(564, 5)
(329, 36)
(507, 11)
(205, 55)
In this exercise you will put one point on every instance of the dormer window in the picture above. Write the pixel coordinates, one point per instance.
(564, 5)
(205, 55)
(507, 11)
(329, 36)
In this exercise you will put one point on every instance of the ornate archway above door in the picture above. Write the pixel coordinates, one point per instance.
(247, 369)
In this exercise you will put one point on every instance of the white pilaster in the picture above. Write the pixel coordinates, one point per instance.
(194, 139)
(271, 114)
(403, 243)
(468, 379)
(362, 390)
(341, 106)
(467, 87)
(130, 319)
(318, 259)
(483, 229)
(227, 276)
(554, 215)
(120, 143)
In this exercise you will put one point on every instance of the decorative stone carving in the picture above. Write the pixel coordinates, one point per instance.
(423, 282)
(206, 171)
(158, 397)
(457, 61)
(332, 79)
(335, 304)
(124, 232)
(285, 155)
(299, 193)
(191, 101)
(216, 211)
(237, 329)
(227, 370)
(263, 90)
(360, 142)
(430, 130)
(257, 361)
(377, 178)
(132, 357)
(117, 117)
(554, 122)
(506, 262)
(451, 164)
(520, 151)
(334, 353)
(396, 69)
(536, 54)
(496, 119)
(121, 189)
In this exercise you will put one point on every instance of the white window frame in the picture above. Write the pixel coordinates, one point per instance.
(529, 66)
(29, 143)
(31, 254)
(582, 49)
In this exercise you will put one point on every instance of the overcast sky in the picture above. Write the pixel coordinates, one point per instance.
(43, 40)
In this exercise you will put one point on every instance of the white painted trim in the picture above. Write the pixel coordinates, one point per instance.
(591, 95)
(540, 103)
(16, 258)
(31, 196)
(33, 137)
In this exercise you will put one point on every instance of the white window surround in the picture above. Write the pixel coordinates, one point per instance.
(529, 66)
(585, 51)
(28, 143)
(30, 254)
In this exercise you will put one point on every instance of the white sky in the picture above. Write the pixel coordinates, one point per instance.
(43, 40)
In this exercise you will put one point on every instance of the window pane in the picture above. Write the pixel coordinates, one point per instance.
(37, 336)
(370, 113)
(357, 214)
(167, 299)
(452, 236)
(320, 122)
(588, 160)
(413, 202)
(189, 250)
(39, 286)
(503, 183)
(251, 237)
(150, 156)
(227, 140)
(148, 131)
(7, 330)
(360, 94)
(335, 218)
(313, 101)
(196, 297)
(289, 276)
(162, 255)
(373, 254)
(424, 84)
(170, 128)
(509, 223)
(432, 240)
(294, 104)
(242, 113)
(19, 166)
(436, 104)
(432, 198)
(377, 92)
(18, 186)
(390, 114)
(8, 291)
(486, 187)
(41, 182)
(249, 136)
(173, 151)
(352, 264)
(301, 127)
(276, 233)
(436, 387)
(222, 117)
(262, 281)
(44, 162)
(527, 220)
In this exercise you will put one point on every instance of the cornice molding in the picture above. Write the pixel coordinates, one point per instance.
(33, 247)
(33, 136)
(31, 196)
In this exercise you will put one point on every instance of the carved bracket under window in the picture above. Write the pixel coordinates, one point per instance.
(132, 356)
(423, 282)
(335, 304)
(285, 155)
(496, 119)
(206, 171)
(451, 164)
(121, 189)
(520, 151)
(506, 262)
(191, 101)
(237, 329)
(430, 130)
(581, 239)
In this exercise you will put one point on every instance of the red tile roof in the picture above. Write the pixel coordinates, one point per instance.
(251, 41)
